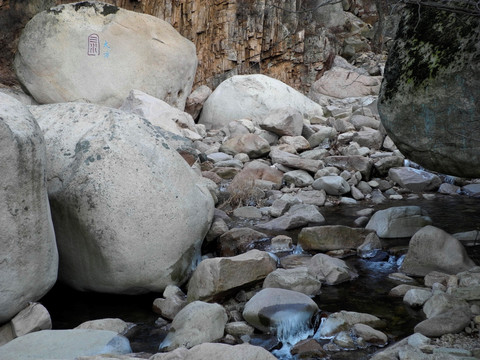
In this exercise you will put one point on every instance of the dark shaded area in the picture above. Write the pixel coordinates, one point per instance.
(420, 30)
(106, 8)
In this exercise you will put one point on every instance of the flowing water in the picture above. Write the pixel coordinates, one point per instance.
(368, 293)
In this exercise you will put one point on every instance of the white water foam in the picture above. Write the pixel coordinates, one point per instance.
(290, 328)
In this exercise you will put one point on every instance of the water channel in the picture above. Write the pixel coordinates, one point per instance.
(368, 293)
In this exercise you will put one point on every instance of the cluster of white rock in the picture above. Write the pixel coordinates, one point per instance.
(132, 194)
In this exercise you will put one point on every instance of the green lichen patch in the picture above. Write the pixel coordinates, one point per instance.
(429, 43)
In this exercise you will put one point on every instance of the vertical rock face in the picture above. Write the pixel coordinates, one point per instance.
(28, 254)
(284, 39)
(429, 97)
(98, 52)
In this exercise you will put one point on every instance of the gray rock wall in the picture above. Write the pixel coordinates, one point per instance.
(429, 99)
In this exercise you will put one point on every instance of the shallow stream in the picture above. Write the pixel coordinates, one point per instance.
(368, 293)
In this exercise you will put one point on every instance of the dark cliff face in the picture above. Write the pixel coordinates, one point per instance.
(429, 97)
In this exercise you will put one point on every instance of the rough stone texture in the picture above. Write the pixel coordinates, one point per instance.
(352, 163)
(432, 249)
(129, 213)
(28, 253)
(247, 37)
(297, 216)
(343, 320)
(34, 317)
(55, 63)
(417, 297)
(196, 323)
(251, 144)
(64, 344)
(332, 185)
(283, 121)
(161, 114)
(236, 241)
(414, 179)
(215, 276)
(295, 161)
(396, 222)
(271, 307)
(196, 99)
(441, 303)
(370, 335)
(433, 72)
(296, 279)
(450, 322)
(299, 178)
(116, 325)
(342, 83)
(402, 289)
(253, 97)
(330, 270)
(217, 351)
(331, 237)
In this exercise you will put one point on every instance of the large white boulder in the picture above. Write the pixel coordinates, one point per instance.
(253, 97)
(98, 52)
(130, 215)
(28, 253)
(64, 345)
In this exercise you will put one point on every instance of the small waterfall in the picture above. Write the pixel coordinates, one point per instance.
(290, 328)
(298, 250)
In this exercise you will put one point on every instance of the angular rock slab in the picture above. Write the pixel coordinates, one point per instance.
(297, 216)
(64, 345)
(428, 101)
(28, 253)
(399, 221)
(215, 276)
(331, 237)
(432, 249)
(414, 179)
(253, 97)
(129, 213)
(99, 52)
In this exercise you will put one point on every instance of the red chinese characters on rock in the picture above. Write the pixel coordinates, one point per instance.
(93, 45)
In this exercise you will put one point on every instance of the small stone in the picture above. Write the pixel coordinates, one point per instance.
(344, 340)
(452, 351)
(281, 243)
(401, 277)
(417, 297)
(308, 349)
(247, 212)
(239, 328)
